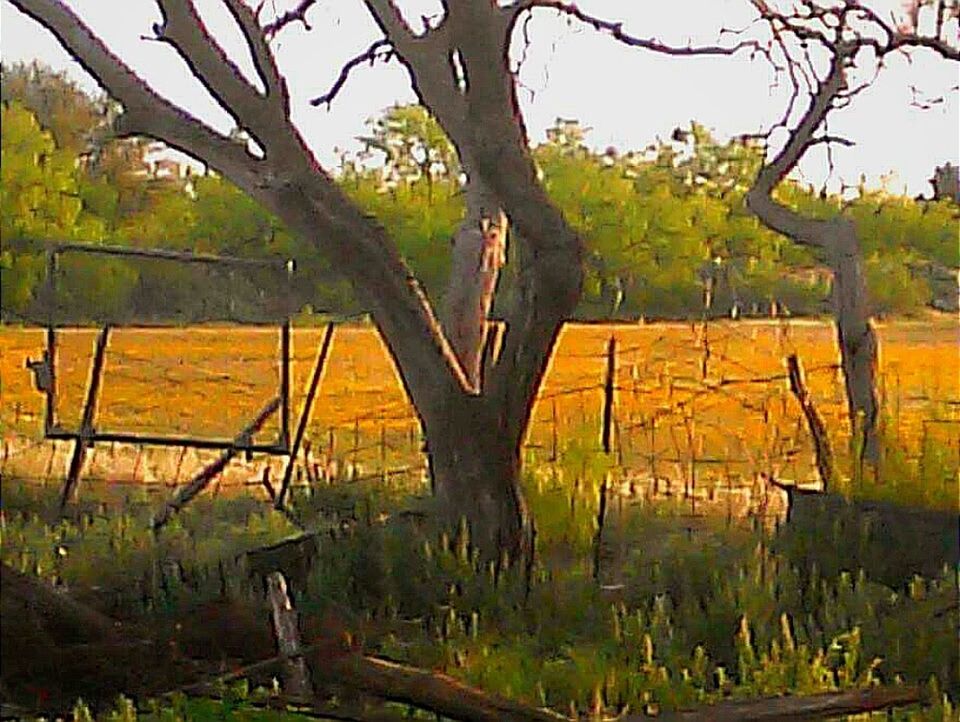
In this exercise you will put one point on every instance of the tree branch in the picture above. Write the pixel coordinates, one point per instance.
(615, 30)
(183, 29)
(378, 50)
(296, 15)
(395, 28)
(263, 59)
(759, 200)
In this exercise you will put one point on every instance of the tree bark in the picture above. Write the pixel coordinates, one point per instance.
(857, 340)
(474, 459)
(460, 71)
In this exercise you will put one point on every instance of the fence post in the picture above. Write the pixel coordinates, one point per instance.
(176, 474)
(818, 430)
(653, 454)
(601, 518)
(383, 451)
(554, 440)
(356, 439)
(608, 391)
(285, 627)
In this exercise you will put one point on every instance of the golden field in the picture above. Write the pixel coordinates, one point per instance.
(702, 405)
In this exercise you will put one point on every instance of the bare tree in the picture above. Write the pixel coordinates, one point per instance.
(851, 36)
(459, 69)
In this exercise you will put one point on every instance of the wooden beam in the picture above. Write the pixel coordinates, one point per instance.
(200, 481)
(818, 430)
(305, 414)
(86, 423)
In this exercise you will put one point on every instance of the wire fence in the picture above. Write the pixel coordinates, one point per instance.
(698, 410)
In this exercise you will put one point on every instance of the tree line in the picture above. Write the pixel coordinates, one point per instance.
(665, 228)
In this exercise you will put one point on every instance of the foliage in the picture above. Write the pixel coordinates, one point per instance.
(39, 198)
(659, 224)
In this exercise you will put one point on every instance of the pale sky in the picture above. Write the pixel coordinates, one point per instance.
(626, 95)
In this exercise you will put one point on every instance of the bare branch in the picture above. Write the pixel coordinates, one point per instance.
(834, 20)
(296, 15)
(183, 30)
(262, 56)
(378, 50)
(830, 139)
(145, 112)
(774, 214)
(800, 137)
(395, 28)
(615, 30)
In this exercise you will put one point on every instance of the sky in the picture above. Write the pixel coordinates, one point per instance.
(628, 97)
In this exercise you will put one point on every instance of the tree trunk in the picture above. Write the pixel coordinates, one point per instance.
(461, 71)
(857, 340)
(474, 460)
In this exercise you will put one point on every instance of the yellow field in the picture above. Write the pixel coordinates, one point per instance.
(719, 399)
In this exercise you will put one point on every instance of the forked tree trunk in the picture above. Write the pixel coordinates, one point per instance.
(461, 71)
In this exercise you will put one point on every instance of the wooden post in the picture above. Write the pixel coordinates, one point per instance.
(601, 518)
(608, 390)
(50, 418)
(86, 422)
(136, 462)
(618, 437)
(306, 460)
(296, 675)
(554, 437)
(285, 330)
(176, 474)
(265, 482)
(653, 454)
(356, 439)
(818, 430)
(705, 357)
(383, 451)
(305, 416)
(200, 481)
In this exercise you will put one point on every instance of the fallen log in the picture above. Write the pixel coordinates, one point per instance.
(432, 691)
(796, 709)
(54, 649)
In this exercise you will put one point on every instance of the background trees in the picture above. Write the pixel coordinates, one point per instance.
(657, 222)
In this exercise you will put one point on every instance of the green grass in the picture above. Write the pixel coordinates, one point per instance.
(687, 615)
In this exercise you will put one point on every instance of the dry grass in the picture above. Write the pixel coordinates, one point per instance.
(732, 415)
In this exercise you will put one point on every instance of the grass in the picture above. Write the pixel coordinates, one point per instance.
(689, 611)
